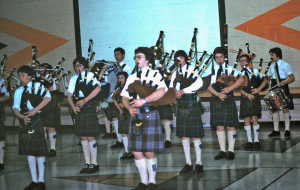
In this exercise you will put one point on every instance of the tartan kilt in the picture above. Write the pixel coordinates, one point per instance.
(165, 112)
(51, 118)
(250, 108)
(123, 122)
(33, 144)
(111, 111)
(286, 91)
(151, 139)
(86, 121)
(2, 130)
(190, 126)
(223, 113)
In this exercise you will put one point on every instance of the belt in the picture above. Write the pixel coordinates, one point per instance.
(146, 109)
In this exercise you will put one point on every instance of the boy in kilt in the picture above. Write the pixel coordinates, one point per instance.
(223, 111)
(31, 134)
(83, 89)
(188, 125)
(51, 119)
(4, 96)
(281, 73)
(144, 145)
(250, 107)
(124, 115)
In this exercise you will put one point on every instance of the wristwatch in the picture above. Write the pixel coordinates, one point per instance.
(145, 101)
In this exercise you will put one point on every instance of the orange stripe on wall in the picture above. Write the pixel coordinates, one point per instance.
(43, 41)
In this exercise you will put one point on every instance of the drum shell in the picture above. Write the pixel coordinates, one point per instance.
(276, 100)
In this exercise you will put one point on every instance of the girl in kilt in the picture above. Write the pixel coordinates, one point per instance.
(31, 134)
(123, 115)
(83, 89)
(250, 107)
(223, 112)
(282, 72)
(51, 119)
(4, 96)
(188, 124)
(144, 145)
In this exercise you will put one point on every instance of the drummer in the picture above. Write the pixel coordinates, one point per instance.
(280, 73)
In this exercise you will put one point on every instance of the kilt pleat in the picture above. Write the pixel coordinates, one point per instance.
(151, 139)
(123, 122)
(223, 113)
(192, 125)
(33, 144)
(250, 108)
(165, 112)
(86, 121)
(111, 111)
(51, 118)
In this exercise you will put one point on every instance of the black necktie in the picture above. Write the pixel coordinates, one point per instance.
(23, 105)
(219, 71)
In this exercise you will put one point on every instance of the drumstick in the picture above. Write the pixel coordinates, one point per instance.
(278, 84)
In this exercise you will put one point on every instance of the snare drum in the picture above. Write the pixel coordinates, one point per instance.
(276, 100)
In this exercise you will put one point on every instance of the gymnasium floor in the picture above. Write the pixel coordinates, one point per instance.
(275, 166)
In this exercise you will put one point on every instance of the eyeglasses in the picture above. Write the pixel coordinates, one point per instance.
(79, 65)
(242, 61)
(138, 57)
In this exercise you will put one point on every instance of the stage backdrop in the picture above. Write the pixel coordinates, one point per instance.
(130, 24)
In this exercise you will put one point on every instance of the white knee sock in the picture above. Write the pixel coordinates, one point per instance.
(167, 129)
(32, 167)
(116, 126)
(125, 142)
(231, 140)
(93, 151)
(286, 117)
(198, 148)
(52, 137)
(248, 132)
(187, 151)
(256, 132)
(41, 165)
(142, 167)
(86, 151)
(276, 121)
(152, 167)
(107, 124)
(222, 139)
(2, 148)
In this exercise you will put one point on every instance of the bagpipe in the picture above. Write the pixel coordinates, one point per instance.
(186, 80)
(225, 79)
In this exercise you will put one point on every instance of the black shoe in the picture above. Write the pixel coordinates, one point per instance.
(274, 134)
(52, 153)
(32, 186)
(114, 135)
(186, 169)
(167, 144)
(221, 155)
(141, 186)
(124, 156)
(248, 145)
(256, 145)
(106, 136)
(93, 168)
(287, 133)
(230, 155)
(198, 169)
(129, 155)
(1, 167)
(152, 186)
(117, 145)
(85, 169)
(41, 186)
